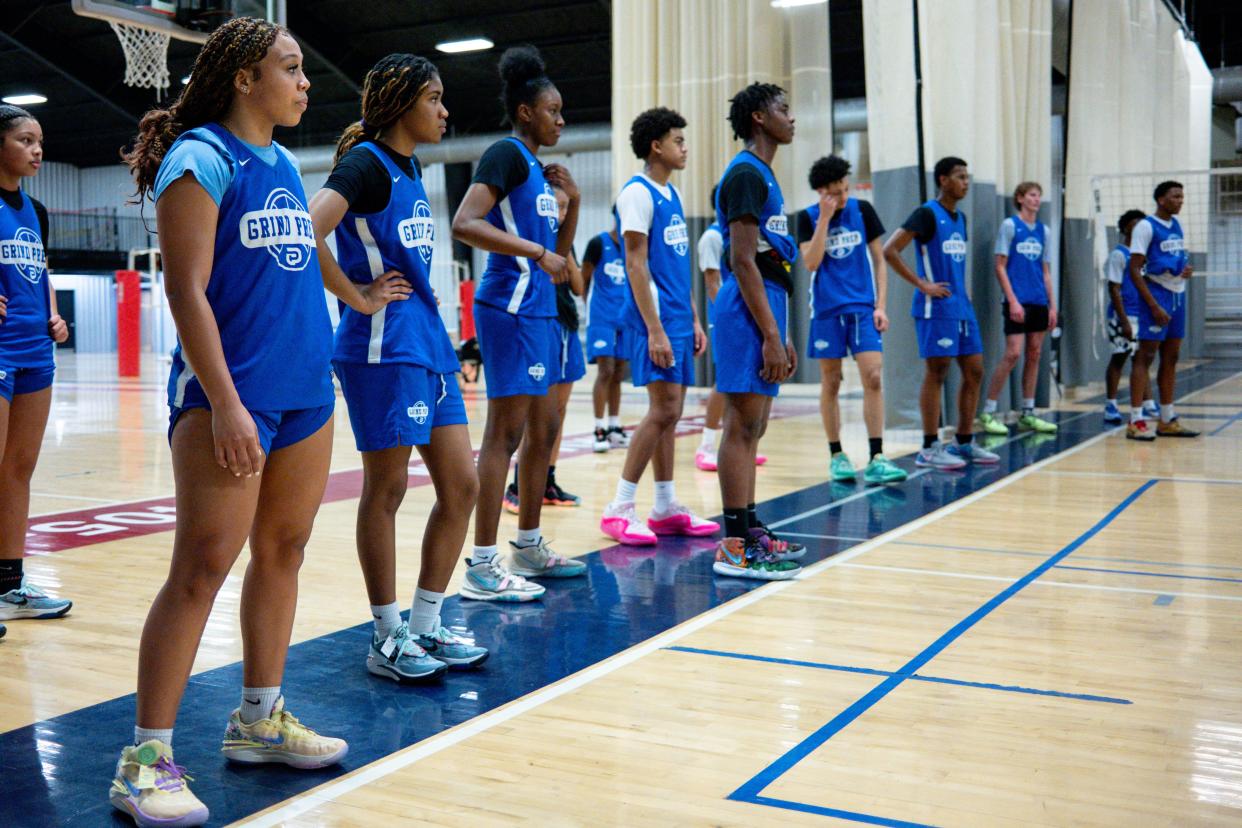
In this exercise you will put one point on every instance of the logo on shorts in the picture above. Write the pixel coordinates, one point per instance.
(1154, 328)
(944, 342)
(842, 241)
(1031, 248)
(419, 231)
(616, 272)
(954, 247)
(537, 371)
(282, 227)
(545, 205)
(418, 412)
(25, 252)
(821, 344)
(677, 236)
(3, 374)
(599, 343)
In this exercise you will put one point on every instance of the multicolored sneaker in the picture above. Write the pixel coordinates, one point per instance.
(491, 581)
(152, 789)
(452, 649)
(936, 456)
(881, 470)
(974, 453)
(705, 459)
(991, 424)
(554, 495)
(841, 469)
(1112, 414)
(617, 438)
(1174, 428)
(620, 522)
(781, 549)
(602, 443)
(28, 601)
(1029, 422)
(1138, 430)
(280, 738)
(1151, 410)
(539, 561)
(738, 558)
(510, 501)
(678, 520)
(402, 659)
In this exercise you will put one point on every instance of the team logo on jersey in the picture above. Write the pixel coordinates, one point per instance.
(1031, 248)
(615, 271)
(1173, 244)
(282, 227)
(418, 412)
(954, 247)
(677, 236)
(842, 241)
(537, 371)
(821, 344)
(25, 253)
(545, 205)
(419, 231)
(777, 223)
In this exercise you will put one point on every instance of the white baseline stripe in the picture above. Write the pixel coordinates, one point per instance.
(435, 744)
(1207, 388)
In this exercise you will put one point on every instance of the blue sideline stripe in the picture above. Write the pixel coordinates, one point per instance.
(1224, 425)
(755, 785)
(841, 668)
(1026, 554)
(1152, 574)
(853, 816)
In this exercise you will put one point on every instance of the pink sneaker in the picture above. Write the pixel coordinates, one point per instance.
(705, 460)
(678, 521)
(620, 523)
(760, 459)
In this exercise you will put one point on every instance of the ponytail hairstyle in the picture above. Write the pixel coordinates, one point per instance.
(9, 116)
(238, 44)
(390, 90)
(522, 78)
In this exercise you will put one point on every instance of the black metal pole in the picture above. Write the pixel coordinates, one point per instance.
(918, 103)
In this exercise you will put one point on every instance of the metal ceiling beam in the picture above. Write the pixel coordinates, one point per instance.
(108, 102)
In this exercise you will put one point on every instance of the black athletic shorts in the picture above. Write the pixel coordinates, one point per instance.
(1036, 319)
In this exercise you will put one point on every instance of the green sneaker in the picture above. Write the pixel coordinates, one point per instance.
(1029, 422)
(882, 470)
(991, 424)
(841, 469)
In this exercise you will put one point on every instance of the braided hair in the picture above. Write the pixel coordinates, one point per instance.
(522, 78)
(755, 98)
(10, 116)
(238, 44)
(390, 90)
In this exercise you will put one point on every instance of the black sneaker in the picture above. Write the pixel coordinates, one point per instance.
(511, 499)
(602, 443)
(554, 495)
(617, 437)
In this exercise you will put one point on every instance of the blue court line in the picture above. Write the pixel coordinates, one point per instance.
(1027, 554)
(1152, 574)
(750, 790)
(983, 685)
(1163, 600)
(852, 816)
(1225, 424)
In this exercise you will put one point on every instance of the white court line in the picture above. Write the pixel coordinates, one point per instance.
(72, 497)
(822, 537)
(1040, 581)
(827, 507)
(1207, 388)
(435, 744)
(1139, 475)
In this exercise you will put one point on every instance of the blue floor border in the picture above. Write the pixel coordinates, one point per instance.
(56, 771)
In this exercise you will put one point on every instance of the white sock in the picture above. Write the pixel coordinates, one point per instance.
(425, 611)
(600, 422)
(1136, 414)
(1113, 402)
(1028, 404)
(614, 422)
(1149, 403)
(528, 537)
(665, 496)
(625, 491)
(709, 439)
(257, 703)
(482, 554)
(146, 734)
(989, 407)
(387, 618)
(1168, 413)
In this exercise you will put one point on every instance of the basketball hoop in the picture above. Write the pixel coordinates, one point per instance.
(146, 56)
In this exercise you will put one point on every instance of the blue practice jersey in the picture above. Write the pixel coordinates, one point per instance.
(1166, 254)
(943, 260)
(844, 282)
(668, 262)
(608, 284)
(1024, 263)
(24, 338)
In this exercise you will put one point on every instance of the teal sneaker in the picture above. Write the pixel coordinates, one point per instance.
(882, 470)
(991, 424)
(454, 650)
(28, 601)
(540, 561)
(841, 468)
(491, 581)
(1029, 422)
(401, 659)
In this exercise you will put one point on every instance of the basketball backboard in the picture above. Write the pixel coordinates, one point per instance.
(167, 17)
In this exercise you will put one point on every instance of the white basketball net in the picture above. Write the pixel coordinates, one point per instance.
(146, 57)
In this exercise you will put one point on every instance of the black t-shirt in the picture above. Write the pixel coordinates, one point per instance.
(594, 251)
(362, 179)
(922, 223)
(502, 166)
(566, 308)
(873, 228)
(13, 198)
(743, 193)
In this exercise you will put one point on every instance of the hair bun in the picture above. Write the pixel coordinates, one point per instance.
(520, 64)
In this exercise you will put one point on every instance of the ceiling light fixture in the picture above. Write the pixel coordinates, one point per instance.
(473, 44)
(792, 4)
(24, 100)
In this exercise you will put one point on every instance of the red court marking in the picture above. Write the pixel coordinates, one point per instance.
(58, 531)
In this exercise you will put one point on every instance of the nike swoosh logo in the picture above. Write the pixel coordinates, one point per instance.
(243, 162)
(426, 601)
(395, 179)
(252, 701)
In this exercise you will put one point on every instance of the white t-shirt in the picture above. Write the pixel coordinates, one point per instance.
(635, 206)
(1140, 240)
(1116, 267)
(711, 247)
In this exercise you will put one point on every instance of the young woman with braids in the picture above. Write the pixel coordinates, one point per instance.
(510, 211)
(395, 362)
(29, 325)
(251, 401)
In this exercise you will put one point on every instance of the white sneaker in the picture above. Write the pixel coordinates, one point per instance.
(937, 456)
(491, 581)
(280, 738)
(539, 561)
(617, 437)
(152, 789)
(620, 522)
